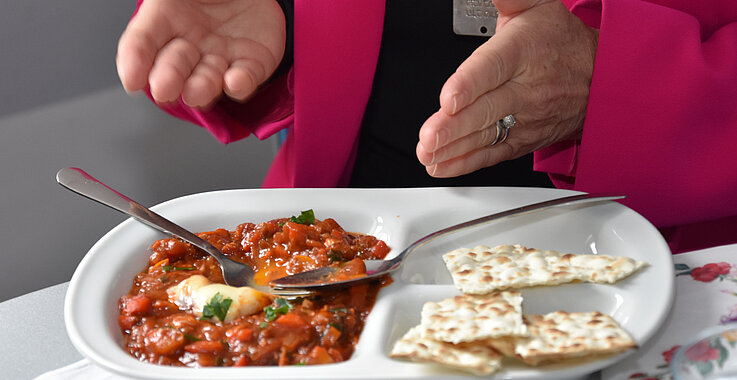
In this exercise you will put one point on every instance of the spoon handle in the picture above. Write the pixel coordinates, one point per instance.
(81, 182)
(519, 211)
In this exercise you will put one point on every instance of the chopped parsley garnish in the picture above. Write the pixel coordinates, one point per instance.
(306, 217)
(334, 256)
(216, 307)
(281, 306)
(338, 310)
(169, 268)
(189, 337)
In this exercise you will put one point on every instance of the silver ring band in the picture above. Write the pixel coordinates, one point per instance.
(502, 129)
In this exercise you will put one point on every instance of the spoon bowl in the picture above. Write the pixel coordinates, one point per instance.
(234, 273)
(327, 277)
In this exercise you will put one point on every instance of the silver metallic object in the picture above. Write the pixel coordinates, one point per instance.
(502, 128)
(235, 273)
(474, 17)
(319, 278)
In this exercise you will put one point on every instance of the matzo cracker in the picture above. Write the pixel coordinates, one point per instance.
(484, 269)
(560, 335)
(468, 317)
(479, 359)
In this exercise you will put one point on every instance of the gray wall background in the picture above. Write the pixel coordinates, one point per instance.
(62, 105)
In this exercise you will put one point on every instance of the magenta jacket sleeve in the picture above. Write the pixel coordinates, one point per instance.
(661, 123)
(268, 111)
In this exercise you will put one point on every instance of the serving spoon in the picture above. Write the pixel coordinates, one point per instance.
(323, 278)
(234, 273)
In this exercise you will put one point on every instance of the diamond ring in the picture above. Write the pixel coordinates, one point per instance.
(502, 129)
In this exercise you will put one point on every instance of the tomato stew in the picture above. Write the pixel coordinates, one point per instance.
(314, 330)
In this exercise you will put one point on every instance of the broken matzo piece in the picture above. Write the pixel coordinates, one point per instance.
(479, 359)
(466, 317)
(483, 269)
(559, 335)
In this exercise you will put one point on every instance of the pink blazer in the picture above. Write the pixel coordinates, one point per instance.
(661, 124)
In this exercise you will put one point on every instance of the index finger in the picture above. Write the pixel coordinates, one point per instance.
(488, 67)
(138, 46)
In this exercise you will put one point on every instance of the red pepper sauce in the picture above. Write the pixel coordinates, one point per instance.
(315, 330)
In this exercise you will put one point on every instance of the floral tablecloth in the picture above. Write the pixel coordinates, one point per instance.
(705, 296)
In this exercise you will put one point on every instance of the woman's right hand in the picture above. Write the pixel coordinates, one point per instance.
(538, 67)
(200, 49)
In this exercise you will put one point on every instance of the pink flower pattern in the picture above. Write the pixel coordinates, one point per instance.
(705, 354)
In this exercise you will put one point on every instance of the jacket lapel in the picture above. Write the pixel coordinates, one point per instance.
(336, 47)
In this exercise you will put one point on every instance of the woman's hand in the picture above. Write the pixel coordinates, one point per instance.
(537, 67)
(198, 49)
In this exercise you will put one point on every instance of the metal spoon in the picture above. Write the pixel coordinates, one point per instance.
(320, 279)
(234, 272)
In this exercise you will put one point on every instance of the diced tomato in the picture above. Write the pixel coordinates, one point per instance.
(126, 322)
(353, 268)
(301, 263)
(163, 305)
(139, 304)
(240, 333)
(207, 360)
(330, 337)
(242, 361)
(380, 250)
(291, 320)
(165, 341)
(331, 224)
(319, 355)
(205, 347)
(321, 318)
(335, 354)
(296, 234)
(173, 249)
(314, 243)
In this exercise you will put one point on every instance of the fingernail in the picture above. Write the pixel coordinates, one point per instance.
(432, 159)
(457, 99)
(431, 170)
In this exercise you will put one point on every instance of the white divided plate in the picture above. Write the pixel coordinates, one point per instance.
(399, 217)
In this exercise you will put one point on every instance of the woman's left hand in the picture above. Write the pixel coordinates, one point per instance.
(537, 67)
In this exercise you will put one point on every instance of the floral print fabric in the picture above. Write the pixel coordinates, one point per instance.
(705, 296)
